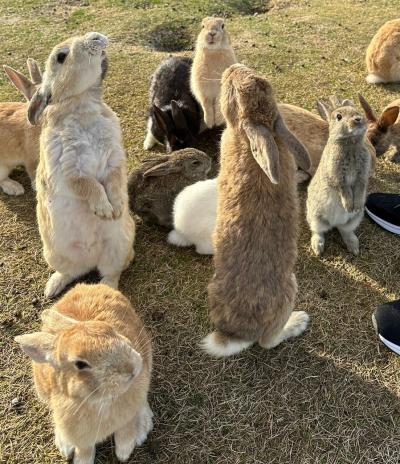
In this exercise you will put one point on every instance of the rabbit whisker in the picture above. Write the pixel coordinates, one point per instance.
(80, 404)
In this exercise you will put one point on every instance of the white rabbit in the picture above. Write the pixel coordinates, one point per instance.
(195, 214)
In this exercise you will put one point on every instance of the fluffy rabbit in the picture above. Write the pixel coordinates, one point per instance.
(82, 210)
(20, 141)
(175, 115)
(195, 213)
(212, 56)
(154, 184)
(336, 194)
(383, 58)
(384, 131)
(92, 364)
(253, 290)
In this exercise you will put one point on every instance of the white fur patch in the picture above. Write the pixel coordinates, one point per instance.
(374, 79)
(210, 346)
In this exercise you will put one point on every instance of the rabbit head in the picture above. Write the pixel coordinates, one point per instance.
(380, 130)
(90, 357)
(213, 34)
(26, 86)
(73, 67)
(248, 103)
(345, 122)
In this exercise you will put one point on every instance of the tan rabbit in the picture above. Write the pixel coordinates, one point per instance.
(383, 54)
(253, 290)
(82, 209)
(19, 140)
(212, 56)
(92, 364)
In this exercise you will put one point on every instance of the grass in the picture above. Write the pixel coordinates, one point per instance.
(330, 397)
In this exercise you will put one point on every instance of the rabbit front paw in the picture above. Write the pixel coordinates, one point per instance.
(209, 120)
(102, 208)
(348, 204)
(118, 206)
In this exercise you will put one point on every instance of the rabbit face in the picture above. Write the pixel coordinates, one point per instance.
(347, 122)
(213, 32)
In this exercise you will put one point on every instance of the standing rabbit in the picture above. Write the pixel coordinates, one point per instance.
(253, 290)
(175, 115)
(19, 140)
(212, 56)
(92, 364)
(82, 210)
(154, 184)
(383, 54)
(336, 194)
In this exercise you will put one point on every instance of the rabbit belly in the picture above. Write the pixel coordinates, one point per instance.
(336, 215)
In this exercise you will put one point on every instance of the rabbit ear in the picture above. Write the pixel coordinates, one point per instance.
(178, 116)
(22, 83)
(297, 149)
(367, 109)
(347, 102)
(162, 169)
(323, 110)
(37, 105)
(38, 345)
(51, 317)
(160, 118)
(388, 117)
(264, 149)
(34, 71)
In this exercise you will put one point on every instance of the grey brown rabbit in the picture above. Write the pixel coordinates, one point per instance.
(154, 184)
(336, 194)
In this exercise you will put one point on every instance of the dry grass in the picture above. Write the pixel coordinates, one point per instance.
(331, 397)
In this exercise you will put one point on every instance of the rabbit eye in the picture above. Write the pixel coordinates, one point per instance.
(195, 163)
(339, 116)
(222, 26)
(80, 365)
(61, 57)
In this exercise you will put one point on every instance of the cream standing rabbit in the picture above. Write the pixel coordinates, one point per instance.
(19, 140)
(82, 210)
(336, 194)
(253, 290)
(92, 364)
(212, 56)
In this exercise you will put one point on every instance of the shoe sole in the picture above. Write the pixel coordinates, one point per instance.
(384, 224)
(390, 345)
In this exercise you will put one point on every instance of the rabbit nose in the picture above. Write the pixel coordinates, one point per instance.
(97, 38)
(357, 119)
(212, 33)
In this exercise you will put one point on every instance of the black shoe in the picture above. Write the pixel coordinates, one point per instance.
(384, 209)
(386, 320)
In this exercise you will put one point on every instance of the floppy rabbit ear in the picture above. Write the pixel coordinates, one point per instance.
(52, 318)
(22, 83)
(34, 71)
(162, 169)
(37, 345)
(388, 117)
(37, 105)
(178, 116)
(367, 109)
(323, 110)
(160, 118)
(297, 149)
(264, 149)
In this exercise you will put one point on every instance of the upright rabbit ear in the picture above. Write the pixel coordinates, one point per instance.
(323, 110)
(162, 169)
(37, 105)
(367, 109)
(388, 117)
(22, 83)
(55, 320)
(38, 345)
(34, 71)
(178, 116)
(161, 119)
(264, 149)
(297, 149)
(347, 102)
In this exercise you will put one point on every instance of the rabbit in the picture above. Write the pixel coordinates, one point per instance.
(20, 141)
(82, 206)
(92, 362)
(154, 184)
(384, 131)
(337, 192)
(195, 214)
(383, 58)
(213, 55)
(174, 116)
(252, 293)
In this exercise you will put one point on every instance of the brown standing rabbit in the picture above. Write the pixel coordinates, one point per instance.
(19, 140)
(92, 364)
(253, 290)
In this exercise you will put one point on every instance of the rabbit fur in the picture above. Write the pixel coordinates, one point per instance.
(252, 293)
(20, 140)
(213, 55)
(82, 209)
(92, 362)
(154, 185)
(337, 192)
